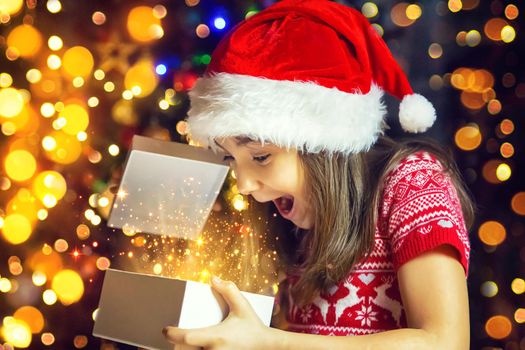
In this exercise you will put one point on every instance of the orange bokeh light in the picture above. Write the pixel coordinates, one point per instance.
(492, 233)
(498, 327)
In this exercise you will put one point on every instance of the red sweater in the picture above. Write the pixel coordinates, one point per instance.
(419, 212)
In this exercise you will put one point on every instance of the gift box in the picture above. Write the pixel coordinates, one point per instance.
(135, 307)
(167, 188)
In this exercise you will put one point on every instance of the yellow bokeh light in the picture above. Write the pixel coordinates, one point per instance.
(49, 183)
(68, 286)
(114, 150)
(99, 74)
(143, 25)
(498, 327)
(143, 76)
(164, 105)
(492, 233)
(455, 5)
(518, 285)
(157, 269)
(435, 51)
(24, 203)
(78, 82)
(503, 172)
(109, 86)
(25, 39)
(17, 228)
(369, 9)
(49, 297)
(508, 34)
(32, 316)
(47, 109)
(93, 102)
(39, 278)
(77, 62)
(76, 119)
(54, 62)
(20, 165)
(473, 38)
(5, 285)
(11, 102)
(49, 143)
(17, 332)
(42, 214)
(54, 6)
(239, 203)
(413, 11)
(5, 80)
(55, 43)
(489, 289)
(10, 7)
(33, 75)
(68, 149)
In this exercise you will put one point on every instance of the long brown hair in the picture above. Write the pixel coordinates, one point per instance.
(345, 192)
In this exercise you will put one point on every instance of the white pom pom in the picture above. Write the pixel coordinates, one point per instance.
(416, 113)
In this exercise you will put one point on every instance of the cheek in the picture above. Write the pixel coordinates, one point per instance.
(286, 177)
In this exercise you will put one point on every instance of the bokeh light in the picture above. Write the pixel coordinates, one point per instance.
(68, 286)
(141, 78)
(16, 332)
(518, 203)
(492, 233)
(20, 165)
(11, 7)
(143, 25)
(25, 39)
(11, 102)
(16, 229)
(468, 138)
(32, 317)
(77, 62)
(498, 327)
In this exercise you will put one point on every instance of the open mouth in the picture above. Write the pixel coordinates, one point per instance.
(285, 205)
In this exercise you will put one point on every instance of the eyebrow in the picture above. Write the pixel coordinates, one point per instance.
(239, 141)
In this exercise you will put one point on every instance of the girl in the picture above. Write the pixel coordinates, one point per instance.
(293, 96)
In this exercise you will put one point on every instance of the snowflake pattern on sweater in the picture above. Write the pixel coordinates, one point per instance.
(419, 212)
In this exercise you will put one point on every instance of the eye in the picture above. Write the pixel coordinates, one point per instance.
(261, 159)
(227, 157)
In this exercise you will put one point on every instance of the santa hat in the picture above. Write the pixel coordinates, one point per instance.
(307, 74)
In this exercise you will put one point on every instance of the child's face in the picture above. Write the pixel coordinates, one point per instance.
(269, 173)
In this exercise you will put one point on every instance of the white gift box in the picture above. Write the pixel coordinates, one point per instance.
(167, 188)
(134, 308)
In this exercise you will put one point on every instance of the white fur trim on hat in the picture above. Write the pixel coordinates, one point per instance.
(416, 113)
(291, 114)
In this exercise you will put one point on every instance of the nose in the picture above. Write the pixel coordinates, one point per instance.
(246, 182)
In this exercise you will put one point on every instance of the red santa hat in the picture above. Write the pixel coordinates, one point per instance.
(307, 74)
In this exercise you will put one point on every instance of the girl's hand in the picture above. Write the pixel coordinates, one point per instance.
(242, 329)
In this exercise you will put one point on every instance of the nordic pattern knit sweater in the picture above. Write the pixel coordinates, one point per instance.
(420, 211)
